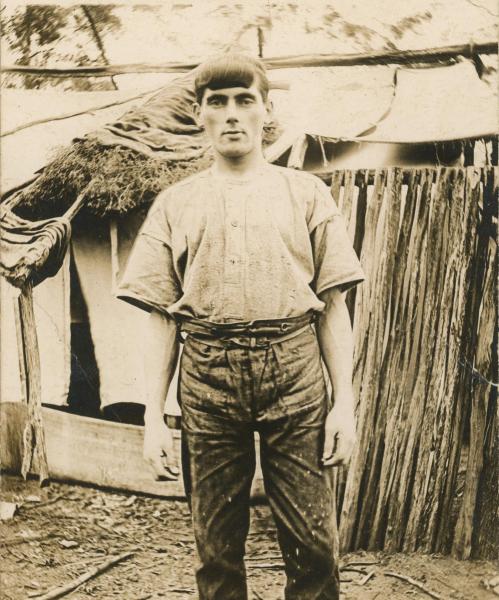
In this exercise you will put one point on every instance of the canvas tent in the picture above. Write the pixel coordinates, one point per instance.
(20, 161)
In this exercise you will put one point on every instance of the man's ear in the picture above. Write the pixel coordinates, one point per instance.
(196, 111)
(269, 108)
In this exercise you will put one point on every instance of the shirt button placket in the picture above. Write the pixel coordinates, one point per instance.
(233, 259)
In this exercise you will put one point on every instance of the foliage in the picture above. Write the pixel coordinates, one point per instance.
(409, 23)
(39, 34)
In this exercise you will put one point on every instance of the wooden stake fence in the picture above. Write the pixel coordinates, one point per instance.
(477, 528)
(423, 325)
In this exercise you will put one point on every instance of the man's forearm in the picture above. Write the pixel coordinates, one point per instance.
(335, 337)
(160, 359)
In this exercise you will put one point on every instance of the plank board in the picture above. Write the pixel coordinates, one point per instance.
(82, 449)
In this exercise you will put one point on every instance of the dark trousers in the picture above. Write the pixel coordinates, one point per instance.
(226, 393)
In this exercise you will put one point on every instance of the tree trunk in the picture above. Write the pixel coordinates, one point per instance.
(87, 11)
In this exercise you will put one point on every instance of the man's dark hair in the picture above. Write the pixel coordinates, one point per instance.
(231, 70)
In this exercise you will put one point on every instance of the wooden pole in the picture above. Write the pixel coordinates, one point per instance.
(70, 115)
(11, 196)
(34, 449)
(427, 55)
(20, 354)
(298, 152)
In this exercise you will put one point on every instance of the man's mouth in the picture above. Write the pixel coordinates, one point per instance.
(232, 132)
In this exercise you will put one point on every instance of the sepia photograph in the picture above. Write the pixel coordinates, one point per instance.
(248, 300)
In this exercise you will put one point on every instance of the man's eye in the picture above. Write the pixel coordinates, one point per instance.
(215, 102)
(247, 101)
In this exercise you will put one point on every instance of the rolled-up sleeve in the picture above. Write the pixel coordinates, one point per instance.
(149, 280)
(335, 262)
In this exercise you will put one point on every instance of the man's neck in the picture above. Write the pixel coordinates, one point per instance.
(240, 168)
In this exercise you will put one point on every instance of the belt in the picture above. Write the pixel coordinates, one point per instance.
(249, 334)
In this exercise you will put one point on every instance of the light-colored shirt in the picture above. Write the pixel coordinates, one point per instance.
(228, 250)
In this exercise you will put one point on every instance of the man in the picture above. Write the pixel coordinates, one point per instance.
(242, 259)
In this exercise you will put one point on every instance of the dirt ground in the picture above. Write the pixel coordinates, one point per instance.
(62, 531)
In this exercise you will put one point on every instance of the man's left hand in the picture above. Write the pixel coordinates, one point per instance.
(340, 433)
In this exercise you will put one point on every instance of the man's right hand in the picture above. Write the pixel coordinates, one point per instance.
(158, 449)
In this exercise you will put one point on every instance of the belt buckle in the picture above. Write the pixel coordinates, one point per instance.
(258, 342)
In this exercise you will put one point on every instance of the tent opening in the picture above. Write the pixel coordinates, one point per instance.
(84, 396)
(131, 413)
(84, 386)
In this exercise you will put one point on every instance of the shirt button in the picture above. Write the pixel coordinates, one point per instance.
(234, 223)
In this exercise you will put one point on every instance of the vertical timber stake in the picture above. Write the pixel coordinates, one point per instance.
(34, 449)
(38, 252)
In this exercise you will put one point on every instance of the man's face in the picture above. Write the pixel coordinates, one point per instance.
(233, 119)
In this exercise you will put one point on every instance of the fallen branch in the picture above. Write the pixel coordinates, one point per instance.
(416, 584)
(365, 579)
(276, 565)
(62, 590)
(46, 503)
(353, 569)
(447, 584)
(86, 562)
(264, 557)
(28, 538)
(360, 563)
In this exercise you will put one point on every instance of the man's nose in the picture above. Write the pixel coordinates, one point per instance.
(231, 111)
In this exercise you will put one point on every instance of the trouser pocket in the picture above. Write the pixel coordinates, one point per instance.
(299, 377)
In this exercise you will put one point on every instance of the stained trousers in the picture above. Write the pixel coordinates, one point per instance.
(226, 393)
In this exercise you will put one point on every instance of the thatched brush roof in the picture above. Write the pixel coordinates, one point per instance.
(121, 180)
(126, 163)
